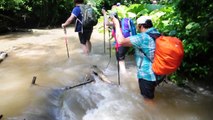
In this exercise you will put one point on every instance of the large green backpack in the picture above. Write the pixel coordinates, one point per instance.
(89, 17)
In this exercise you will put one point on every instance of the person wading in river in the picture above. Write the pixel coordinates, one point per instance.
(142, 41)
(84, 34)
(120, 50)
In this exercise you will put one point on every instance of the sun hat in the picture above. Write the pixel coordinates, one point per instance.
(143, 19)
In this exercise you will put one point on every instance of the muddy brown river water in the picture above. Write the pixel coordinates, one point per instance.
(42, 53)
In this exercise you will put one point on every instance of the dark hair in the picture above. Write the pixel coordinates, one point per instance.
(148, 24)
(116, 16)
(78, 1)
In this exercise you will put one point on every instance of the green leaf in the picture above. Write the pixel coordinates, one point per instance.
(192, 25)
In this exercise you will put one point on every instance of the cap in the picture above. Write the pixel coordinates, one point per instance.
(118, 4)
(143, 19)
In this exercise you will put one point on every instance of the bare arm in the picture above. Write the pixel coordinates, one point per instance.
(120, 38)
(68, 21)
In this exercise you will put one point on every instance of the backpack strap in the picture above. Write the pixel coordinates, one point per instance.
(154, 36)
(129, 25)
(122, 24)
(133, 28)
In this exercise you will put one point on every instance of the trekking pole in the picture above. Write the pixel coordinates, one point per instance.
(104, 34)
(110, 47)
(109, 43)
(65, 38)
(118, 73)
(118, 66)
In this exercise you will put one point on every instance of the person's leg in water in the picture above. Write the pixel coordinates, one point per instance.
(85, 41)
(89, 46)
(120, 55)
(122, 66)
(147, 89)
(84, 47)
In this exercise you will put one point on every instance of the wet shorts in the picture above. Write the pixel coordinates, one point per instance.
(147, 88)
(85, 36)
(120, 55)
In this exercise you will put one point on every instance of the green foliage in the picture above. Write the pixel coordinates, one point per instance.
(198, 21)
(11, 4)
(33, 13)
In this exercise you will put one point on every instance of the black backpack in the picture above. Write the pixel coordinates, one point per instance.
(89, 17)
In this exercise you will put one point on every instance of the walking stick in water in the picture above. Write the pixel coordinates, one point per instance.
(65, 39)
(110, 47)
(109, 31)
(104, 33)
(118, 73)
(118, 66)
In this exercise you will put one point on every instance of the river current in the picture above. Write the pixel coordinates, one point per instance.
(42, 54)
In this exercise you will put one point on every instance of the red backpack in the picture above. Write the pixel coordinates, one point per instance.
(168, 55)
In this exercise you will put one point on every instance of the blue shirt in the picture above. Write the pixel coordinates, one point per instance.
(77, 13)
(144, 42)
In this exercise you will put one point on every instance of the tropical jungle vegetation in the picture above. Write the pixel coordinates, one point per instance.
(189, 20)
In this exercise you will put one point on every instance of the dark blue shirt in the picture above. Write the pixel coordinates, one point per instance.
(77, 12)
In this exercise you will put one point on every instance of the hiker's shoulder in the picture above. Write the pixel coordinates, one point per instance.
(153, 31)
(77, 7)
(76, 10)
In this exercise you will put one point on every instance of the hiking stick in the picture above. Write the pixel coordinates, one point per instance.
(109, 43)
(118, 66)
(118, 73)
(110, 48)
(65, 39)
(104, 33)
